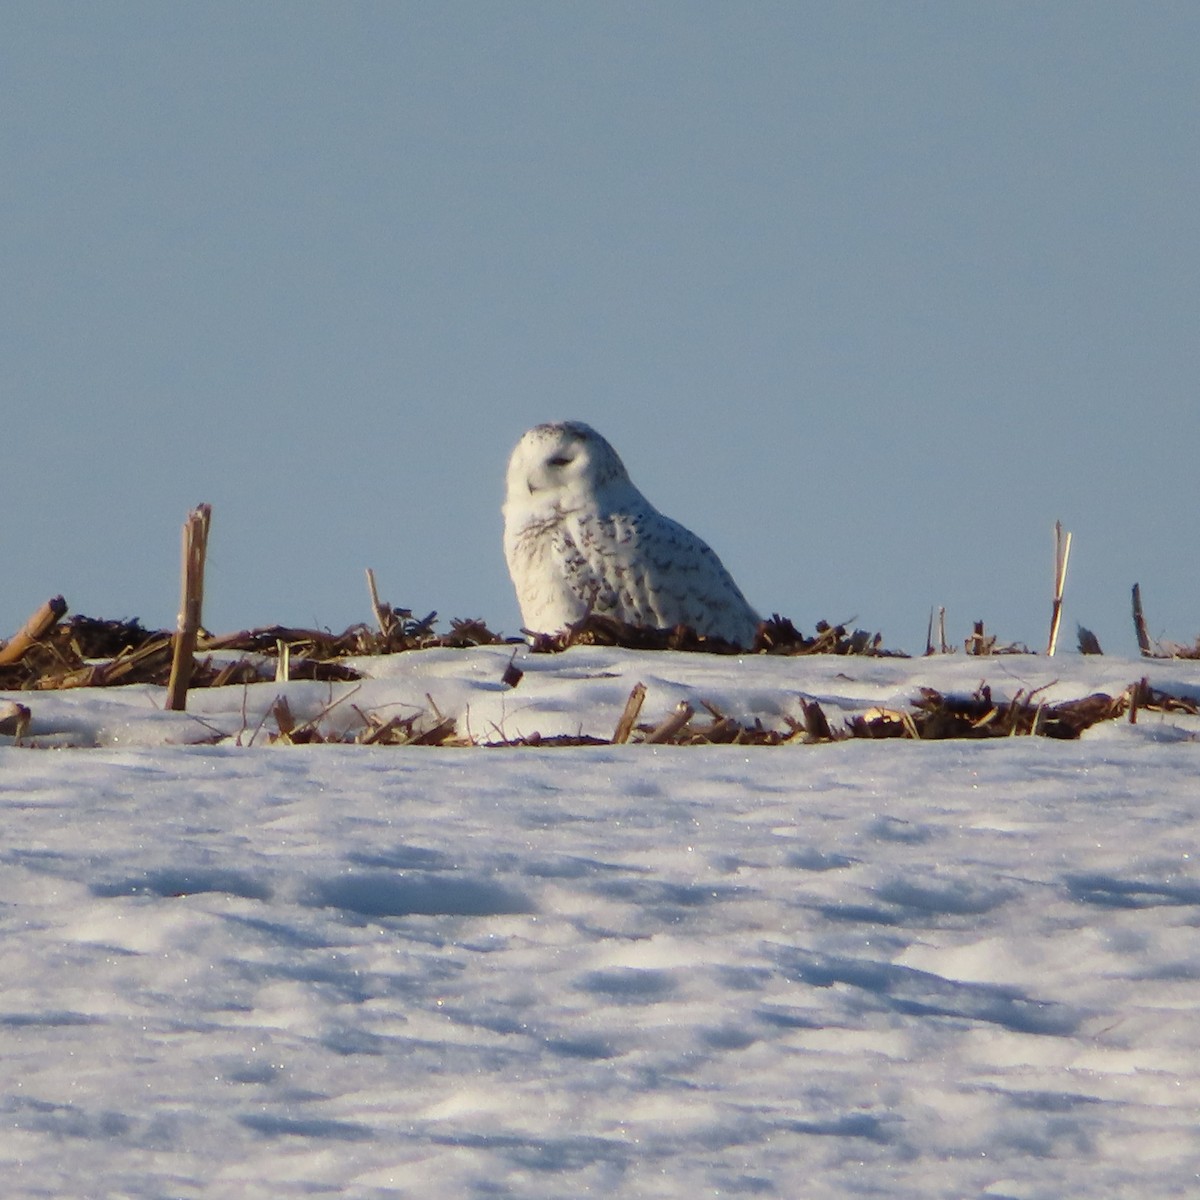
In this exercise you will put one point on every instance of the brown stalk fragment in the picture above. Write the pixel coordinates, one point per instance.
(816, 724)
(629, 715)
(281, 710)
(14, 719)
(512, 673)
(33, 631)
(666, 730)
(437, 735)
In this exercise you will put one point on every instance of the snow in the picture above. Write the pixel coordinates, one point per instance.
(883, 969)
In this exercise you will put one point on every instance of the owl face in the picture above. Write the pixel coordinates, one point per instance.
(562, 460)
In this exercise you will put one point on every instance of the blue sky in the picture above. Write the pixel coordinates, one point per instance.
(868, 295)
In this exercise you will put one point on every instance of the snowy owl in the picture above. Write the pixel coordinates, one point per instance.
(580, 538)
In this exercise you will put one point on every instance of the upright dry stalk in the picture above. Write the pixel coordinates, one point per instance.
(941, 624)
(1139, 624)
(385, 615)
(1062, 551)
(195, 547)
(283, 661)
(375, 605)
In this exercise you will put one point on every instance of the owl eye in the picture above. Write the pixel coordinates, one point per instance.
(560, 460)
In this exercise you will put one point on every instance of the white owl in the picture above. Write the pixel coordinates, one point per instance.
(580, 538)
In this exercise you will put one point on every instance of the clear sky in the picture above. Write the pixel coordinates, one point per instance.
(867, 294)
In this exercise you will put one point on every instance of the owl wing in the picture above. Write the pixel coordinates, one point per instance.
(642, 568)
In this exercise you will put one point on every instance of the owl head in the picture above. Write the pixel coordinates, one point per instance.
(561, 461)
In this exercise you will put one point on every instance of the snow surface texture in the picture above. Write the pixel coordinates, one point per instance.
(882, 969)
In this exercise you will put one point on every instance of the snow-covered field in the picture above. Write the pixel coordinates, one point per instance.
(885, 969)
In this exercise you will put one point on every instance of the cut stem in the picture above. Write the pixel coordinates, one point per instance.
(1062, 552)
(633, 706)
(195, 547)
(376, 607)
(1139, 623)
(665, 731)
(33, 631)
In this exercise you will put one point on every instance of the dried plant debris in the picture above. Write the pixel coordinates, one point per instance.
(678, 728)
(1143, 696)
(84, 652)
(776, 636)
(87, 652)
(401, 632)
(935, 717)
(598, 630)
(415, 729)
(780, 636)
(52, 653)
(554, 741)
(89, 637)
(931, 716)
(1165, 649)
(979, 643)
